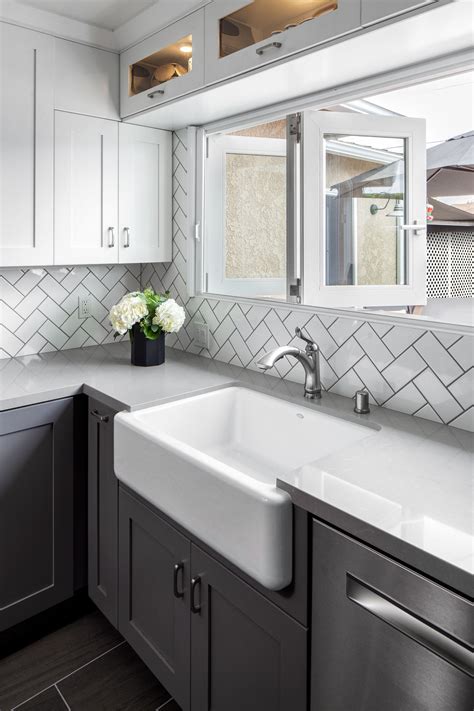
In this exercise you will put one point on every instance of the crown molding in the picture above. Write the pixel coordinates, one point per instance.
(135, 30)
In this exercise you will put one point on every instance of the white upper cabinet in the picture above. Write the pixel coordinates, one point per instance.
(26, 147)
(164, 66)
(144, 194)
(241, 36)
(85, 196)
(375, 10)
(86, 80)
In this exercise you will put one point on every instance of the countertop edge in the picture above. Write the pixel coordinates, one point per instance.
(441, 572)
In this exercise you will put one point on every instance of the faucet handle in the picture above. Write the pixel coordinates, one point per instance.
(311, 344)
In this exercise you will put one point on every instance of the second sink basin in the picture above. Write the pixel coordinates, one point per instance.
(211, 461)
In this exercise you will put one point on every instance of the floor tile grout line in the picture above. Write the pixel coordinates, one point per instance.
(58, 681)
(61, 695)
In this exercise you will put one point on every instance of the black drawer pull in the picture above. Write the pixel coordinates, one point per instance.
(98, 416)
(400, 619)
(179, 567)
(194, 584)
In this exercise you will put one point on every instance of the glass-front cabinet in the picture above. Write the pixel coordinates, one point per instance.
(243, 35)
(164, 66)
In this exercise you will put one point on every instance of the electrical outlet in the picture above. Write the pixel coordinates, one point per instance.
(201, 334)
(84, 307)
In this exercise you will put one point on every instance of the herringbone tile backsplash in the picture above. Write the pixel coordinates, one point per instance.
(39, 307)
(406, 368)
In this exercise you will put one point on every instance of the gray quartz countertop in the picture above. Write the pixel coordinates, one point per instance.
(406, 490)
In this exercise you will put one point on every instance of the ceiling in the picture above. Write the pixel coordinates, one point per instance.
(108, 14)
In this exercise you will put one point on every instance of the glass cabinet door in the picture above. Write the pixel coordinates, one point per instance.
(166, 65)
(242, 35)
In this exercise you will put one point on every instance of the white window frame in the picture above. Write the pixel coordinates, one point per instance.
(218, 147)
(316, 124)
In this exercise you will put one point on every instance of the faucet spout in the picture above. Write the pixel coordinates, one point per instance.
(309, 359)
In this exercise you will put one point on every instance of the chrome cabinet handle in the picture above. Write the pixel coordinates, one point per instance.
(152, 94)
(270, 45)
(98, 416)
(194, 583)
(448, 649)
(111, 232)
(126, 243)
(179, 567)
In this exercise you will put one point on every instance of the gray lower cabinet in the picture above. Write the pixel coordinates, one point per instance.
(36, 509)
(210, 638)
(384, 637)
(246, 653)
(154, 611)
(102, 511)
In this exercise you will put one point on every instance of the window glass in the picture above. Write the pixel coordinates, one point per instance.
(365, 199)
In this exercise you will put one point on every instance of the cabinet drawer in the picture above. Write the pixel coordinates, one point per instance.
(147, 78)
(370, 612)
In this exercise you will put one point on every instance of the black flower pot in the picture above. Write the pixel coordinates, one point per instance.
(144, 351)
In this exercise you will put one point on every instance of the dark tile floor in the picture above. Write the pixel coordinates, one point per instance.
(84, 666)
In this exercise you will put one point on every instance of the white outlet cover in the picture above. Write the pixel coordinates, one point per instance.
(84, 307)
(201, 334)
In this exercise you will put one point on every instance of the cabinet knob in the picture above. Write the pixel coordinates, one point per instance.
(152, 94)
(195, 582)
(261, 50)
(126, 243)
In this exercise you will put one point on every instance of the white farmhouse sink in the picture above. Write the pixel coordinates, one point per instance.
(211, 461)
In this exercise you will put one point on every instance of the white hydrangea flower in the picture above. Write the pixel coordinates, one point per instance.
(169, 316)
(130, 310)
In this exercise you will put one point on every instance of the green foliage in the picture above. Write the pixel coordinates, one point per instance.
(153, 300)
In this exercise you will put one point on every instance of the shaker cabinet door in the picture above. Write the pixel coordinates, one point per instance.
(102, 511)
(86, 177)
(154, 594)
(245, 652)
(26, 147)
(144, 194)
(36, 509)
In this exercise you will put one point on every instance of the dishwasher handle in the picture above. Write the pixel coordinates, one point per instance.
(404, 621)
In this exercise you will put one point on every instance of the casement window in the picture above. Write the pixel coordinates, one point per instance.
(324, 208)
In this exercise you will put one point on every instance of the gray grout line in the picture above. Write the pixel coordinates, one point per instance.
(61, 695)
(58, 681)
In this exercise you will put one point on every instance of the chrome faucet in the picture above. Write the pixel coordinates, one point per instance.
(309, 359)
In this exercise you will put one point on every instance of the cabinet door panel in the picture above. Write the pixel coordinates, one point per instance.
(246, 653)
(375, 10)
(86, 80)
(141, 88)
(239, 33)
(36, 509)
(154, 597)
(102, 512)
(144, 194)
(86, 175)
(26, 147)
(395, 639)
